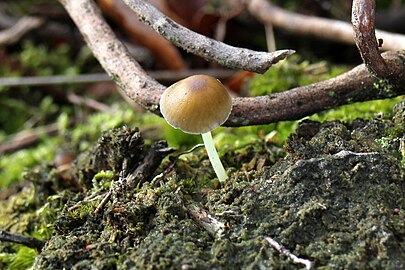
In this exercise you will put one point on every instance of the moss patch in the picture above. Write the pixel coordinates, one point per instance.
(336, 200)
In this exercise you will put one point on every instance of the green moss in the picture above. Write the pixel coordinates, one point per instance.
(23, 259)
(332, 200)
(365, 110)
(294, 72)
(26, 213)
(290, 73)
(12, 166)
(104, 175)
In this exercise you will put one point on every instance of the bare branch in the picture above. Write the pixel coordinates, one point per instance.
(280, 248)
(113, 55)
(162, 75)
(363, 17)
(355, 85)
(23, 26)
(209, 49)
(21, 239)
(88, 102)
(26, 138)
(318, 27)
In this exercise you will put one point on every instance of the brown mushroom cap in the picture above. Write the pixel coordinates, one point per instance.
(197, 104)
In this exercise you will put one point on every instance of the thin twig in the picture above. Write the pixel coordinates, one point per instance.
(192, 149)
(103, 202)
(213, 226)
(270, 40)
(173, 159)
(355, 85)
(211, 50)
(161, 75)
(363, 17)
(323, 28)
(23, 26)
(21, 239)
(280, 248)
(88, 102)
(26, 138)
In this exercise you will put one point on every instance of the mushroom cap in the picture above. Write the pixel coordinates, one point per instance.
(196, 104)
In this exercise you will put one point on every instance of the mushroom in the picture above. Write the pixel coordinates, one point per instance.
(197, 105)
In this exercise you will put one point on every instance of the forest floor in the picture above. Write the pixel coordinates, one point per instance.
(333, 196)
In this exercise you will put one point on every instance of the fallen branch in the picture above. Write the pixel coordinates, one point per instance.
(280, 248)
(88, 102)
(21, 239)
(22, 27)
(161, 75)
(27, 137)
(363, 17)
(211, 50)
(355, 85)
(317, 27)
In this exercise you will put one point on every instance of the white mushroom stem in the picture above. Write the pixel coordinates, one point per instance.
(213, 156)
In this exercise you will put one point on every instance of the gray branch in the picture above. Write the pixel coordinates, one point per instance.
(209, 49)
(323, 28)
(363, 17)
(22, 27)
(355, 85)
(28, 241)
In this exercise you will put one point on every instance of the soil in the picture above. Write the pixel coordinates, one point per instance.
(333, 197)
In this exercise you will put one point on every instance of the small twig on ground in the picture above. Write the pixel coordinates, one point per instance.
(26, 138)
(323, 28)
(363, 17)
(114, 187)
(28, 241)
(280, 248)
(162, 76)
(23, 26)
(103, 202)
(213, 226)
(192, 149)
(173, 158)
(88, 102)
(211, 50)
(353, 86)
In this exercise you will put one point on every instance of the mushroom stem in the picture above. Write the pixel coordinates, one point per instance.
(213, 156)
